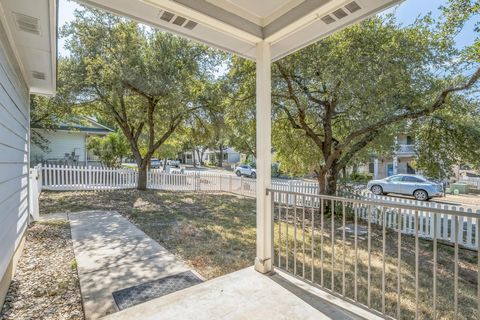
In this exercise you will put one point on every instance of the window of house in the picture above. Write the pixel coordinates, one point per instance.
(410, 140)
(371, 167)
(410, 170)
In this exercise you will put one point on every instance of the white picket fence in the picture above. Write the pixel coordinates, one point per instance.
(445, 222)
(471, 181)
(466, 219)
(200, 181)
(58, 177)
(35, 188)
(55, 177)
(373, 207)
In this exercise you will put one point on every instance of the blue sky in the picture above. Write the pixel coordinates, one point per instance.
(406, 13)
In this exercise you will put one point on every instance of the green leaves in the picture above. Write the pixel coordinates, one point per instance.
(144, 80)
(110, 149)
(344, 99)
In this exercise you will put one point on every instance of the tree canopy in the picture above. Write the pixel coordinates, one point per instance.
(336, 102)
(110, 149)
(348, 96)
(145, 80)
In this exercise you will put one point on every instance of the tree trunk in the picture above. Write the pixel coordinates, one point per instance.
(355, 168)
(142, 178)
(327, 181)
(164, 164)
(220, 160)
(194, 159)
(332, 176)
(322, 182)
(201, 154)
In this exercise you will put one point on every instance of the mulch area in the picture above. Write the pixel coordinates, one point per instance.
(46, 284)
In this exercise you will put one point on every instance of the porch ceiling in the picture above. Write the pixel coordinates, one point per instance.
(238, 25)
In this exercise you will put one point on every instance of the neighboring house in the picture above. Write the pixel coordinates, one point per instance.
(400, 162)
(68, 143)
(27, 66)
(187, 157)
(230, 156)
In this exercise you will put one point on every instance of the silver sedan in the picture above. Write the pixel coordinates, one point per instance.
(407, 184)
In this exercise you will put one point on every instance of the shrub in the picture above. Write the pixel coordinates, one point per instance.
(360, 177)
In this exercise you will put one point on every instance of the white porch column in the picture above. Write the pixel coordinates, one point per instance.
(375, 168)
(263, 260)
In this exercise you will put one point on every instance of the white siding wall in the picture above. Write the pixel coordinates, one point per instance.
(14, 136)
(233, 157)
(59, 144)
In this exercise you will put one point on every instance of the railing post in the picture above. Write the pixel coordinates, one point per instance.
(263, 260)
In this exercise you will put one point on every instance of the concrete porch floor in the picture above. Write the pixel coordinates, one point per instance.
(247, 294)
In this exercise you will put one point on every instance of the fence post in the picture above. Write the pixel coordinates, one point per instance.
(197, 178)
(33, 193)
(40, 178)
(241, 185)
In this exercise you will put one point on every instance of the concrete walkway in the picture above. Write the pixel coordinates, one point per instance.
(113, 254)
(247, 294)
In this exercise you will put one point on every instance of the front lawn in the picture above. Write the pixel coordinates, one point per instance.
(213, 233)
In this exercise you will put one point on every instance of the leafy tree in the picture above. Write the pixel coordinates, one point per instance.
(348, 96)
(240, 106)
(357, 87)
(214, 99)
(167, 151)
(196, 136)
(111, 149)
(449, 137)
(143, 79)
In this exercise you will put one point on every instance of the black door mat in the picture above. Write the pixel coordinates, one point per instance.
(144, 292)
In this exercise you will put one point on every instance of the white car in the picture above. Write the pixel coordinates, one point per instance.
(174, 163)
(408, 184)
(246, 170)
(155, 163)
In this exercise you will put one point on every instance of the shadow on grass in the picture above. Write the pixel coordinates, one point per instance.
(213, 233)
(336, 271)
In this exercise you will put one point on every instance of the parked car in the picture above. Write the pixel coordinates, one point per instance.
(155, 163)
(408, 184)
(246, 170)
(174, 163)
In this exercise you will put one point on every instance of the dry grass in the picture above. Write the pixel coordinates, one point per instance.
(215, 234)
(467, 274)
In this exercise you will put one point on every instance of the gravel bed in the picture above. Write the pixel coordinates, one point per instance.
(46, 283)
